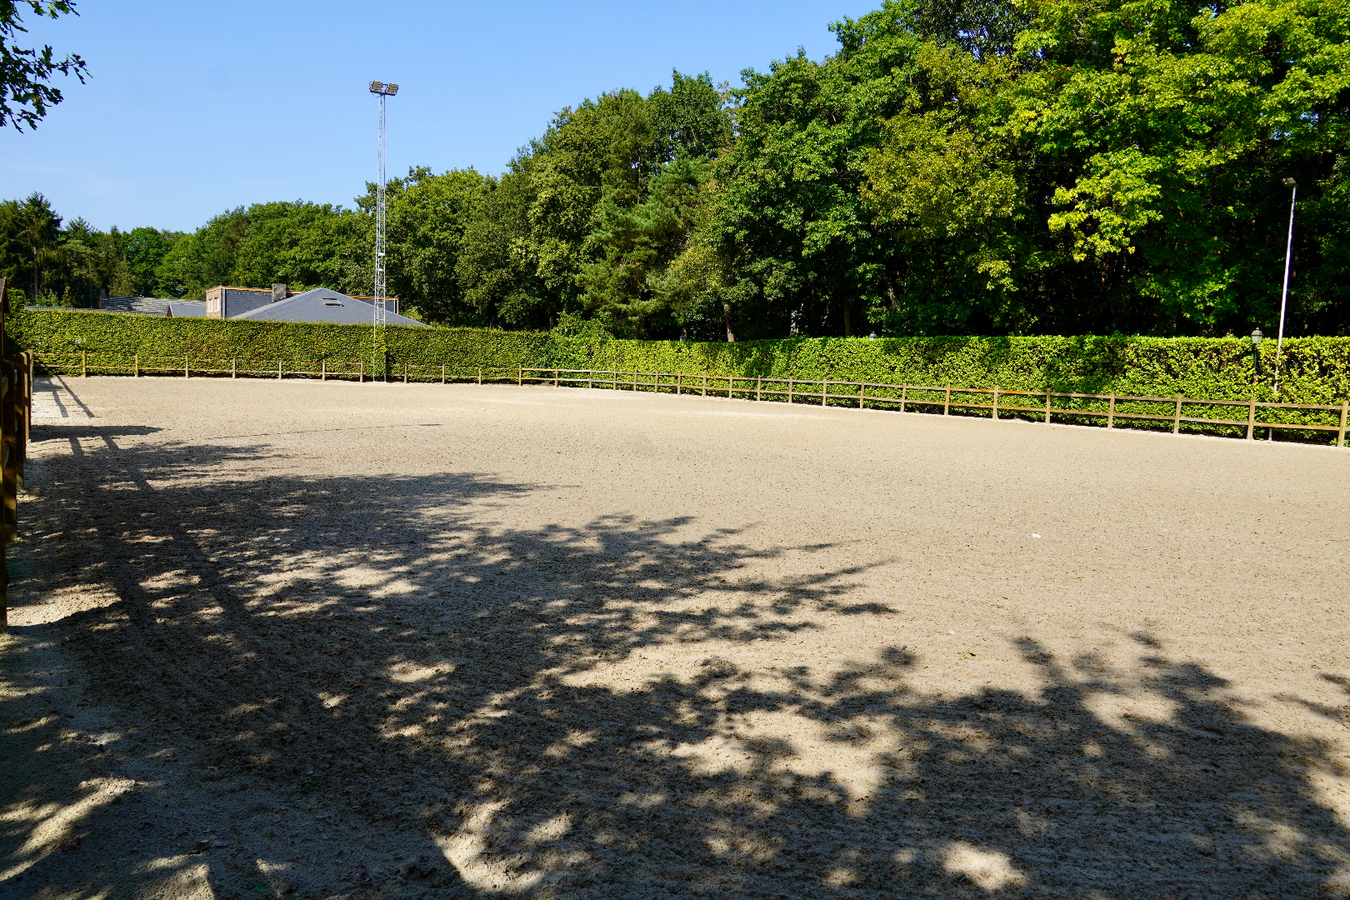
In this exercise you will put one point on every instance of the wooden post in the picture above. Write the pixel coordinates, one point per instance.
(1176, 417)
(947, 401)
(1340, 437)
(635, 382)
(824, 390)
(185, 366)
(360, 371)
(1111, 412)
(405, 373)
(136, 367)
(323, 370)
(84, 363)
(904, 389)
(520, 375)
(590, 378)
(705, 384)
(9, 453)
(555, 377)
(233, 370)
(789, 390)
(731, 381)
(862, 394)
(480, 374)
(278, 370)
(995, 401)
(1047, 407)
(614, 380)
(1251, 417)
(759, 384)
(679, 377)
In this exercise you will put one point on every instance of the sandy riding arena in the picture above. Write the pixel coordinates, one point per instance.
(292, 639)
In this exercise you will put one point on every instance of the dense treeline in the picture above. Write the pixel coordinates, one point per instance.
(957, 166)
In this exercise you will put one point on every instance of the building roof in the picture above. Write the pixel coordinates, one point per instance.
(322, 305)
(182, 309)
(145, 306)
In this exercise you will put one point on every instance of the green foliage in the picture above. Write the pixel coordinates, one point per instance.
(589, 217)
(26, 74)
(303, 245)
(427, 216)
(1315, 370)
(979, 167)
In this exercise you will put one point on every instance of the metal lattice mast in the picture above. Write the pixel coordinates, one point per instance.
(381, 306)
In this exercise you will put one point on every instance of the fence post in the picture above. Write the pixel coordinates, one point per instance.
(862, 394)
(555, 377)
(480, 376)
(759, 384)
(947, 401)
(1251, 417)
(360, 371)
(1047, 407)
(614, 380)
(323, 370)
(1111, 412)
(1176, 417)
(233, 370)
(1340, 437)
(635, 381)
(84, 363)
(705, 384)
(904, 389)
(405, 373)
(731, 381)
(185, 367)
(278, 370)
(520, 375)
(136, 367)
(824, 391)
(995, 401)
(789, 390)
(679, 378)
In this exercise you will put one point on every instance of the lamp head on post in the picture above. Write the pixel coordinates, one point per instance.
(1257, 337)
(1288, 182)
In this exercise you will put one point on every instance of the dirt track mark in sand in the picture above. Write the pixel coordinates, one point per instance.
(574, 644)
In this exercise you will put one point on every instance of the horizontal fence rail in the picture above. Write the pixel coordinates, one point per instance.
(1232, 418)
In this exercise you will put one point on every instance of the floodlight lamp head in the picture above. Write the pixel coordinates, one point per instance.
(392, 89)
(1289, 182)
(380, 87)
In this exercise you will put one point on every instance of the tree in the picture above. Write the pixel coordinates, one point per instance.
(25, 74)
(30, 239)
(145, 249)
(427, 218)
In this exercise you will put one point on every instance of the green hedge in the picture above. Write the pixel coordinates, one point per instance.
(1316, 370)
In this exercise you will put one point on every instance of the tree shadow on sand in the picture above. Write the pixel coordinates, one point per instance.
(473, 702)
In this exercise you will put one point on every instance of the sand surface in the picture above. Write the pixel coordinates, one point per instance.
(290, 639)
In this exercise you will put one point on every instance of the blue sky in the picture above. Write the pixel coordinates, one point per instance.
(195, 108)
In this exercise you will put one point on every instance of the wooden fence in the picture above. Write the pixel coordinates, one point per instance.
(16, 415)
(1179, 413)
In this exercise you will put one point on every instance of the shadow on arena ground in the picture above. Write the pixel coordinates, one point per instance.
(446, 701)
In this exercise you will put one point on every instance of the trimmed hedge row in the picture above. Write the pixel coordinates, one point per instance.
(1315, 370)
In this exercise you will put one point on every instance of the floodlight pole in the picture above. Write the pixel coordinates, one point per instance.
(381, 307)
(1284, 296)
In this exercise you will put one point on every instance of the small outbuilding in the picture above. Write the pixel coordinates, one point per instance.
(323, 305)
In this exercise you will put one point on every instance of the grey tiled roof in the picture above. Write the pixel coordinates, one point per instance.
(323, 305)
(181, 309)
(145, 306)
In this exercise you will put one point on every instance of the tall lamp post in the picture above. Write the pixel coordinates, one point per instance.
(1284, 297)
(381, 316)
